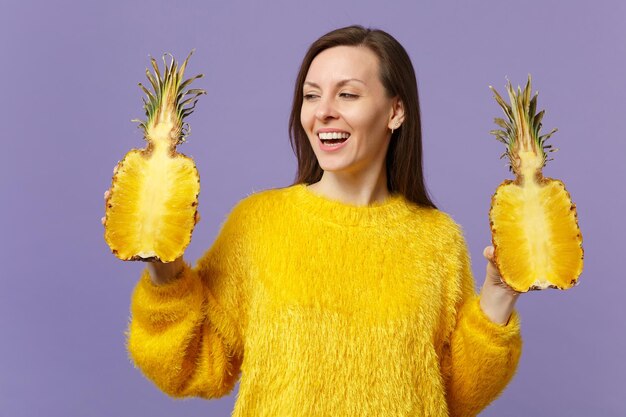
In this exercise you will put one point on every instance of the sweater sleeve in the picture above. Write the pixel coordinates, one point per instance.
(187, 336)
(479, 356)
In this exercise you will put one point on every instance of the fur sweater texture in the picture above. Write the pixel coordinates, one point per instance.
(327, 309)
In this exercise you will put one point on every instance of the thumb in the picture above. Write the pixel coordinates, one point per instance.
(488, 253)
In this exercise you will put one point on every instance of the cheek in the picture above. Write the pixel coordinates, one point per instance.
(303, 118)
(307, 123)
(369, 121)
(306, 118)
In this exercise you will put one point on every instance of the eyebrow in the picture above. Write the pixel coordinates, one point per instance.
(339, 84)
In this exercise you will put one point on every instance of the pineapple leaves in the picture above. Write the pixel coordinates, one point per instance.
(501, 136)
(545, 137)
(502, 103)
(148, 93)
(537, 121)
(531, 113)
(184, 65)
(521, 130)
(187, 82)
(168, 68)
(503, 123)
(184, 102)
(168, 98)
(156, 85)
(526, 94)
(156, 70)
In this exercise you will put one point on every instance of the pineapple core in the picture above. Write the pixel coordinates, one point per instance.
(153, 204)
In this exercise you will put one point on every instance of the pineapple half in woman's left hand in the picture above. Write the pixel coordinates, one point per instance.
(151, 207)
(534, 224)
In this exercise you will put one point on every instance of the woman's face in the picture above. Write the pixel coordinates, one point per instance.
(344, 98)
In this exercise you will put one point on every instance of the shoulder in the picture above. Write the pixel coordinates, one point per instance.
(436, 225)
(259, 199)
(256, 205)
(449, 226)
(435, 219)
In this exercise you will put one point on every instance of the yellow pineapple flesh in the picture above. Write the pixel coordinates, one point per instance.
(153, 200)
(534, 223)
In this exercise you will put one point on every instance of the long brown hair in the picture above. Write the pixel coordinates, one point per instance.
(404, 155)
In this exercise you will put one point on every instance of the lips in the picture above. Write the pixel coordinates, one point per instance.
(338, 142)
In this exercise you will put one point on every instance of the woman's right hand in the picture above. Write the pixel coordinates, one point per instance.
(160, 272)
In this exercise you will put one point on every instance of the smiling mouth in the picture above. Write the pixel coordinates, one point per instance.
(330, 138)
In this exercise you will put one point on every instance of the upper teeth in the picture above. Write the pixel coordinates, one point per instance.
(333, 135)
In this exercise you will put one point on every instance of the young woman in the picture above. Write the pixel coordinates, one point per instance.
(347, 293)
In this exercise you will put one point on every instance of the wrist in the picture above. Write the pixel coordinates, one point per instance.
(498, 302)
(162, 273)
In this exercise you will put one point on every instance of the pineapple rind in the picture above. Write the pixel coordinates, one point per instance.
(536, 236)
(152, 206)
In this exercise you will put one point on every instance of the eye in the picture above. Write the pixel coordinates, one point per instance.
(309, 97)
(348, 95)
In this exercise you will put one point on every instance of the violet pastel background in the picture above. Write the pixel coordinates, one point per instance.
(69, 72)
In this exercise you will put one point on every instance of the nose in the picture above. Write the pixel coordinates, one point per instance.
(325, 109)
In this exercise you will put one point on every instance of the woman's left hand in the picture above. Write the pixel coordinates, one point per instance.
(497, 300)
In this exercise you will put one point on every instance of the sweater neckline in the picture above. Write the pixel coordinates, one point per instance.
(390, 210)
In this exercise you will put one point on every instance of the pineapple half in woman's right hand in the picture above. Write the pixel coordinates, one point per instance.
(534, 225)
(151, 207)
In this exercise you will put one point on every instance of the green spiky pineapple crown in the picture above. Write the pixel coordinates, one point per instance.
(526, 149)
(169, 103)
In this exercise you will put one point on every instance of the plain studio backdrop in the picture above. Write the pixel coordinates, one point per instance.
(69, 72)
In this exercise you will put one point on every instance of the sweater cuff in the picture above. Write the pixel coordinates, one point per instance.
(178, 287)
(156, 305)
(480, 324)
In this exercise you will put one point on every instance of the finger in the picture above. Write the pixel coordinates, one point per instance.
(488, 252)
(102, 220)
(493, 275)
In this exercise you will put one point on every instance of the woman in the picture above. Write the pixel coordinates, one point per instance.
(347, 293)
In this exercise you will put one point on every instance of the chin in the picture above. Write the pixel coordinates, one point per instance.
(331, 167)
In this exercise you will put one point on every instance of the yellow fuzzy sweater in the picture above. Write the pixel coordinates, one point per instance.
(327, 309)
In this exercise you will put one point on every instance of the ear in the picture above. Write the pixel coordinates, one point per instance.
(396, 115)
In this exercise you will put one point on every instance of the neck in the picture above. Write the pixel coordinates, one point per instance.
(359, 190)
